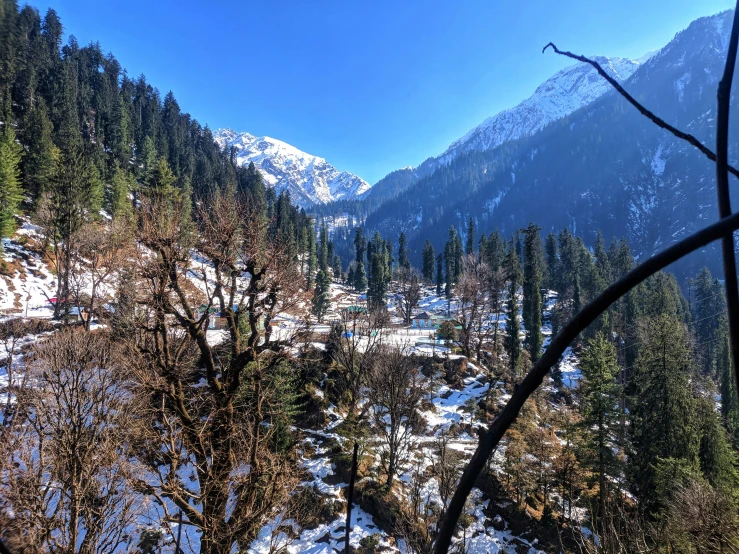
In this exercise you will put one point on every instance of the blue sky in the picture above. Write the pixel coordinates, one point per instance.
(369, 85)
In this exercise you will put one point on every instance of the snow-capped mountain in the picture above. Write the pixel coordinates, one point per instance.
(567, 90)
(308, 178)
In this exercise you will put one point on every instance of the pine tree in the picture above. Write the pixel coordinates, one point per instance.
(428, 262)
(533, 274)
(439, 273)
(470, 245)
(121, 186)
(360, 277)
(452, 260)
(717, 459)
(552, 261)
(350, 273)
(321, 301)
(147, 161)
(403, 261)
(323, 248)
(513, 325)
(11, 193)
(311, 256)
(663, 424)
(449, 270)
(379, 276)
(568, 262)
(602, 262)
(495, 251)
(726, 382)
(708, 308)
(600, 408)
(482, 246)
(74, 197)
(360, 245)
(42, 155)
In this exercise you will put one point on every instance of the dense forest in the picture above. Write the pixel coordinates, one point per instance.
(207, 364)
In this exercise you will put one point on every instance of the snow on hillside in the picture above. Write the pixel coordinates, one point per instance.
(308, 178)
(571, 88)
(450, 409)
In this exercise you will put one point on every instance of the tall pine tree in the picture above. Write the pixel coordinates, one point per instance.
(11, 192)
(533, 275)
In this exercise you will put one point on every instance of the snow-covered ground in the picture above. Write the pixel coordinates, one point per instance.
(449, 409)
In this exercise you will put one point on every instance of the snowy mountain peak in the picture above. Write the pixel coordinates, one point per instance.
(567, 90)
(309, 179)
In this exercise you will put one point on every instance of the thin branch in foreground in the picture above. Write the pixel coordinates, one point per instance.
(722, 188)
(489, 439)
(642, 110)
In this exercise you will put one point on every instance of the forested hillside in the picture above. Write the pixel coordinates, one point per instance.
(188, 365)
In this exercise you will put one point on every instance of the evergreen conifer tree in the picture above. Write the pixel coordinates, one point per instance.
(121, 186)
(439, 273)
(42, 155)
(429, 259)
(403, 261)
(323, 248)
(552, 262)
(717, 459)
(379, 276)
(321, 301)
(663, 422)
(360, 277)
(513, 325)
(533, 274)
(470, 245)
(11, 192)
(311, 269)
(600, 408)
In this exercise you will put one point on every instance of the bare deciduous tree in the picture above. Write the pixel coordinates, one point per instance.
(66, 483)
(99, 252)
(474, 309)
(12, 332)
(395, 390)
(701, 518)
(357, 348)
(409, 288)
(209, 443)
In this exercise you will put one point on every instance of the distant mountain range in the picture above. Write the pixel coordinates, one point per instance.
(577, 155)
(312, 180)
(574, 154)
(309, 179)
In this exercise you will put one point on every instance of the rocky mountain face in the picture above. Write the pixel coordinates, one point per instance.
(309, 179)
(603, 166)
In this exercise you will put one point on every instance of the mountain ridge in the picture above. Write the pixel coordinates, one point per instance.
(309, 179)
(566, 91)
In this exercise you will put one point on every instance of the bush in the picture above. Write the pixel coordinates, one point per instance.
(371, 542)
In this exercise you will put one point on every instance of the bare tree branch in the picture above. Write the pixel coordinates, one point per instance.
(722, 188)
(642, 110)
(490, 439)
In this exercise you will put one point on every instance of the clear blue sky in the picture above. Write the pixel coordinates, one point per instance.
(369, 85)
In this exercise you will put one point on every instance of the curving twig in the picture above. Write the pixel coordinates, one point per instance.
(642, 110)
(490, 438)
(722, 188)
